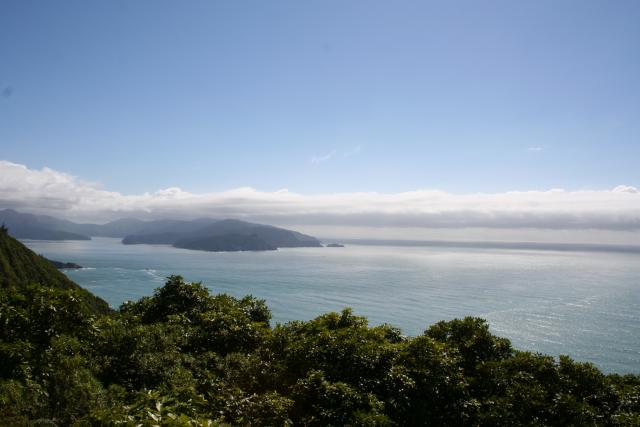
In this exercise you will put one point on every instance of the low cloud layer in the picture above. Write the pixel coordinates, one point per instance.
(56, 193)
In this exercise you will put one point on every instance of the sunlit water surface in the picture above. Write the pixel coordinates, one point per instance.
(584, 304)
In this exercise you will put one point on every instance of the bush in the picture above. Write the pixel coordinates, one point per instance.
(183, 357)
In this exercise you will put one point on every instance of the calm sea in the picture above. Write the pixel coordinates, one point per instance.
(584, 304)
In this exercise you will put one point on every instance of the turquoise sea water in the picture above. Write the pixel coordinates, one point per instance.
(584, 304)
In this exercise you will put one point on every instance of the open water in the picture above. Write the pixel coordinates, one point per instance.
(584, 304)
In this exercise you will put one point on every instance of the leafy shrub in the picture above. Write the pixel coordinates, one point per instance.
(183, 357)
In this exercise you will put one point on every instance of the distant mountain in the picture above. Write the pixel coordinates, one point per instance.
(44, 227)
(38, 227)
(200, 234)
(226, 243)
(228, 235)
(127, 226)
(20, 267)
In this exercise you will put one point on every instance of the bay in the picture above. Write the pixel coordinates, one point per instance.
(584, 304)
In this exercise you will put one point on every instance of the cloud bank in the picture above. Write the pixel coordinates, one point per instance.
(48, 191)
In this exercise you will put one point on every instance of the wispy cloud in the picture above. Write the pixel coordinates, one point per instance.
(535, 149)
(53, 192)
(336, 154)
(353, 152)
(324, 158)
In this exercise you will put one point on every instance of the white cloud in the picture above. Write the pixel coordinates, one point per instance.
(625, 189)
(353, 152)
(60, 194)
(320, 159)
(534, 149)
(335, 153)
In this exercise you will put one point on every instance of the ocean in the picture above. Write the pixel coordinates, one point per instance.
(585, 304)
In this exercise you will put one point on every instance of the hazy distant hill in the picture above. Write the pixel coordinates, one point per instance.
(44, 227)
(20, 267)
(127, 226)
(200, 234)
(228, 235)
(38, 227)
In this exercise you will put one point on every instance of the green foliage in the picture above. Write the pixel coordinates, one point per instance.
(183, 357)
(341, 345)
(71, 387)
(472, 340)
(22, 401)
(438, 387)
(175, 298)
(139, 356)
(319, 402)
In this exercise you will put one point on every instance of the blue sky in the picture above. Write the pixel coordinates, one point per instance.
(324, 96)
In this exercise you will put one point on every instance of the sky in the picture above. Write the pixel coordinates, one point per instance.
(390, 111)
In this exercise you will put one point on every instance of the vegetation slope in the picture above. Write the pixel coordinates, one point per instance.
(20, 267)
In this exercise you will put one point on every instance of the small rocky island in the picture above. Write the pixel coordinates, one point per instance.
(62, 265)
(334, 245)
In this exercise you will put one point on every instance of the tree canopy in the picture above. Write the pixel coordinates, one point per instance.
(184, 357)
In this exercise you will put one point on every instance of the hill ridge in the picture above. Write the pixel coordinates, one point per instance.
(21, 267)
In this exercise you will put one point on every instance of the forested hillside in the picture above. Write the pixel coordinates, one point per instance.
(21, 267)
